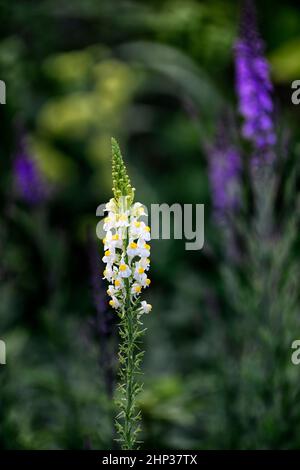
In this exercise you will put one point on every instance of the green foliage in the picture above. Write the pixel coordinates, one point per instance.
(286, 61)
(157, 75)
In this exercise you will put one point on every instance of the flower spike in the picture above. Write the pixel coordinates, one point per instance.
(126, 255)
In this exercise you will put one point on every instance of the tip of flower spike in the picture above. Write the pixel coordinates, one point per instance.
(249, 26)
(121, 182)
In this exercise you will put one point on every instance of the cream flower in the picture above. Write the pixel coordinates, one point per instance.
(134, 228)
(144, 248)
(132, 249)
(140, 278)
(139, 229)
(114, 302)
(145, 263)
(144, 232)
(112, 241)
(109, 256)
(145, 308)
(111, 290)
(137, 210)
(139, 269)
(110, 221)
(123, 220)
(136, 288)
(119, 283)
(111, 206)
(108, 272)
(124, 269)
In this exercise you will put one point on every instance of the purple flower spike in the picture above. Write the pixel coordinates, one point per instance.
(29, 181)
(254, 89)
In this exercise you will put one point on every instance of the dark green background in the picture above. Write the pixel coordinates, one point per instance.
(157, 75)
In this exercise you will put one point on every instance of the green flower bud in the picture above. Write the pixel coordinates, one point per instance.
(121, 182)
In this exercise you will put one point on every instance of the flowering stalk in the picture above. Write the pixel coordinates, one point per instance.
(127, 261)
(254, 89)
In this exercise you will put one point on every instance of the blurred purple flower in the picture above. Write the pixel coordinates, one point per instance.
(98, 291)
(28, 178)
(104, 322)
(224, 174)
(225, 166)
(254, 88)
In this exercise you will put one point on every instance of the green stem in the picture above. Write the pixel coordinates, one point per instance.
(129, 368)
(128, 444)
(130, 358)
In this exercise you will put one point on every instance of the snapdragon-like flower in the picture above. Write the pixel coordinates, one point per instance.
(127, 262)
(126, 244)
(127, 250)
(254, 89)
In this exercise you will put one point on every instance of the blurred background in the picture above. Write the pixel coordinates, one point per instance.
(158, 76)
